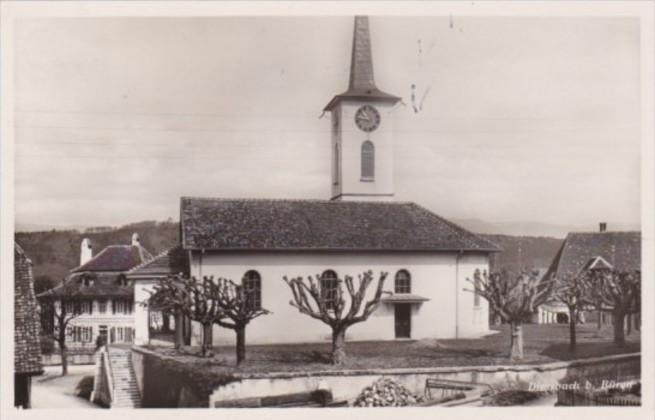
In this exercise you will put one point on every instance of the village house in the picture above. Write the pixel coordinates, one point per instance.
(582, 251)
(361, 227)
(100, 294)
(27, 350)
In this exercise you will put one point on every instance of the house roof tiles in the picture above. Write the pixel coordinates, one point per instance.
(27, 350)
(622, 250)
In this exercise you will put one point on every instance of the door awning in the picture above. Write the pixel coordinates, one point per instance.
(404, 298)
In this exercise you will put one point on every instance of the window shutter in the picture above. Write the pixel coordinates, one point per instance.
(113, 306)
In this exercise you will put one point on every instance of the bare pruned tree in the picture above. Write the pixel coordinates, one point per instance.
(619, 292)
(325, 300)
(573, 292)
(170, 295)
(513, 297)
(237, 306)
(209, 302)
(61, 306)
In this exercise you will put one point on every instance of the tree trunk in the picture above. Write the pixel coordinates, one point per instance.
(338, 346)
(573, 319)
(600, 318)
(207, 340)
(166, 322)
(241, 344)
(64, 359)
(516, 349)
(179, 331)
(629, 322)
(619, 333)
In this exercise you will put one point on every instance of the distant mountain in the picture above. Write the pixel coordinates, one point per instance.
(535, 228)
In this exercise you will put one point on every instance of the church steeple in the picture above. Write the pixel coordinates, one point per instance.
(361, 62)
(362, 143)
(362, 81)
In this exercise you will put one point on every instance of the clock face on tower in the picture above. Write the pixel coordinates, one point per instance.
(367, 118)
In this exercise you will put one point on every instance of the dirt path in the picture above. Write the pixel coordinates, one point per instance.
(51, 390)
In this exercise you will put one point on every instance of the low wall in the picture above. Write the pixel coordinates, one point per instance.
(346, 385)
(54, 359)
(166, 382)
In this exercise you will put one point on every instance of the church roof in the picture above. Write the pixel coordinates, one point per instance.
(116, 258)
(620, 250)
(362, 80)
(319, 225)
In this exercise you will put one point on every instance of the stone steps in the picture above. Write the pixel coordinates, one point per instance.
(126, 391)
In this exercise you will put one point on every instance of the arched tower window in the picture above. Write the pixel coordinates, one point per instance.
(329, 284)
(252, 287)
(368, 160)
(403, 282)
(337, 169)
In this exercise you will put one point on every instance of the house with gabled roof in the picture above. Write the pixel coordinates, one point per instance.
(361, 227)
(583, 251)
(100, 294)
(27, 350)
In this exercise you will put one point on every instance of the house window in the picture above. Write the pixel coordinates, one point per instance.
(252, 286)
(70, 307)
(368, 160)
(102, 306)
(86, 307)
(329, 284)
(476, 295)
(79, 334)
(403, 283)
(121, 306)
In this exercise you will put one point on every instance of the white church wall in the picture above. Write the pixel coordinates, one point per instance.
(433, 276)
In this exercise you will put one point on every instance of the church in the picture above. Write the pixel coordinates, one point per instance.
(359, 228)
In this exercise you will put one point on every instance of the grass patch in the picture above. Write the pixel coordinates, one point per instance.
(542, 344)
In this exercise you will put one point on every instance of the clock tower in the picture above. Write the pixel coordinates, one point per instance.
(362, 139)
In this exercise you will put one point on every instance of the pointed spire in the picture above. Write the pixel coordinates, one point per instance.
(362, 83)
(361, 64)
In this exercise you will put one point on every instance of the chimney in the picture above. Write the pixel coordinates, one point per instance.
(86, 251)
(135, 240)
(603, 227)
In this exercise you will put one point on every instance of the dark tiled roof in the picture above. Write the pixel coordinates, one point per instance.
(116, 258)
(100, 285)
(224, 224)
(27, 350)
(621, 249)
(171, 261)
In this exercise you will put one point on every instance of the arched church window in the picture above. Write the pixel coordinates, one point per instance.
(403, 282)
(368, 160)
(252, 286)
(329, 284)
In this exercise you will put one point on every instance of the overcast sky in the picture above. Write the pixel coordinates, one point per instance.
(526, 119)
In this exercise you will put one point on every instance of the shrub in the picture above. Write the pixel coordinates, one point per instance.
(85, 387)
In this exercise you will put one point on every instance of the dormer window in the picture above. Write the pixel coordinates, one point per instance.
(123, 281)
(87, 281)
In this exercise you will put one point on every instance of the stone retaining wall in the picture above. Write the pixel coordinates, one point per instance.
(346, 384)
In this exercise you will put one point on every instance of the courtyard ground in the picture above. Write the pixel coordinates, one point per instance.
(51, 390)
(542, 344)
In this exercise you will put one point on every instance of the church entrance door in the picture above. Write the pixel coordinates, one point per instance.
(403, 320)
